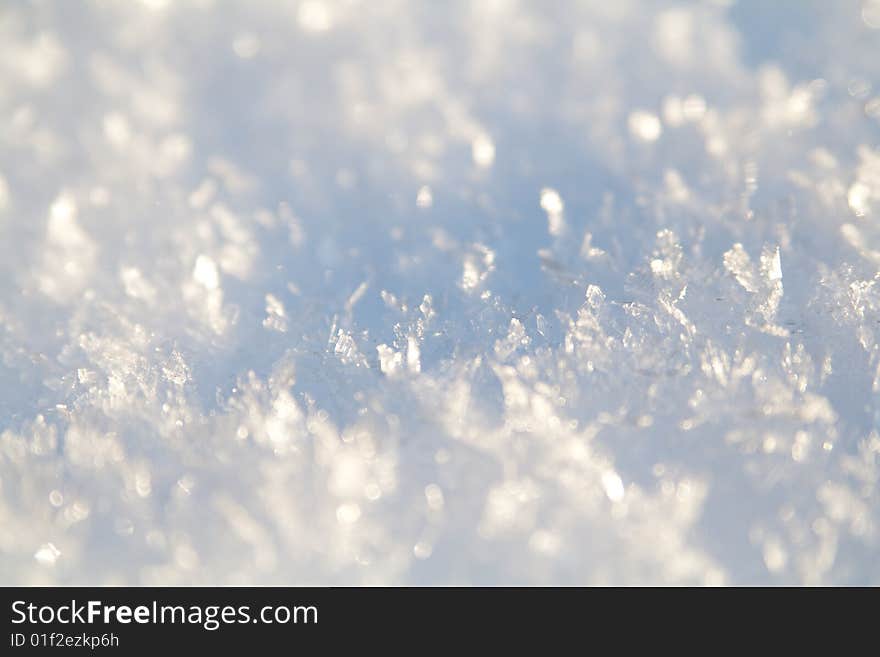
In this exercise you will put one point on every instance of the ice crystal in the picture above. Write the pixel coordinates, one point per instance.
(490, 292)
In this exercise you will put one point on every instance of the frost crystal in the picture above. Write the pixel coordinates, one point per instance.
(519, 293)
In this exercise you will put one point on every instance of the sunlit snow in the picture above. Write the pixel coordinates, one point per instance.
(466, 292)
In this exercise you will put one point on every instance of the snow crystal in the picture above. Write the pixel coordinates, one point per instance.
(492, 292)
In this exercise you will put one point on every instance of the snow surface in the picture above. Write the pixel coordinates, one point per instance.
(397, 292)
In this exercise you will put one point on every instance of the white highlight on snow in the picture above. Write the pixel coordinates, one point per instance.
(246, 45)
(205, 273)
(613, 486)
(413, 355)
(552, 204)
(424, 199)
(314, 16)
(483, 151)
(645, 126)
(357, 295)
(63, 228)
(47, 555)
(871, 13)
(348, 514)
(136, 286)
(276, 315)
(434, 497)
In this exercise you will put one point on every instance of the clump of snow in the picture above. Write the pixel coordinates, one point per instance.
(301, 293)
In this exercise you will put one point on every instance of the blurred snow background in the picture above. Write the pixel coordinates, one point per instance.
(399, 292)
